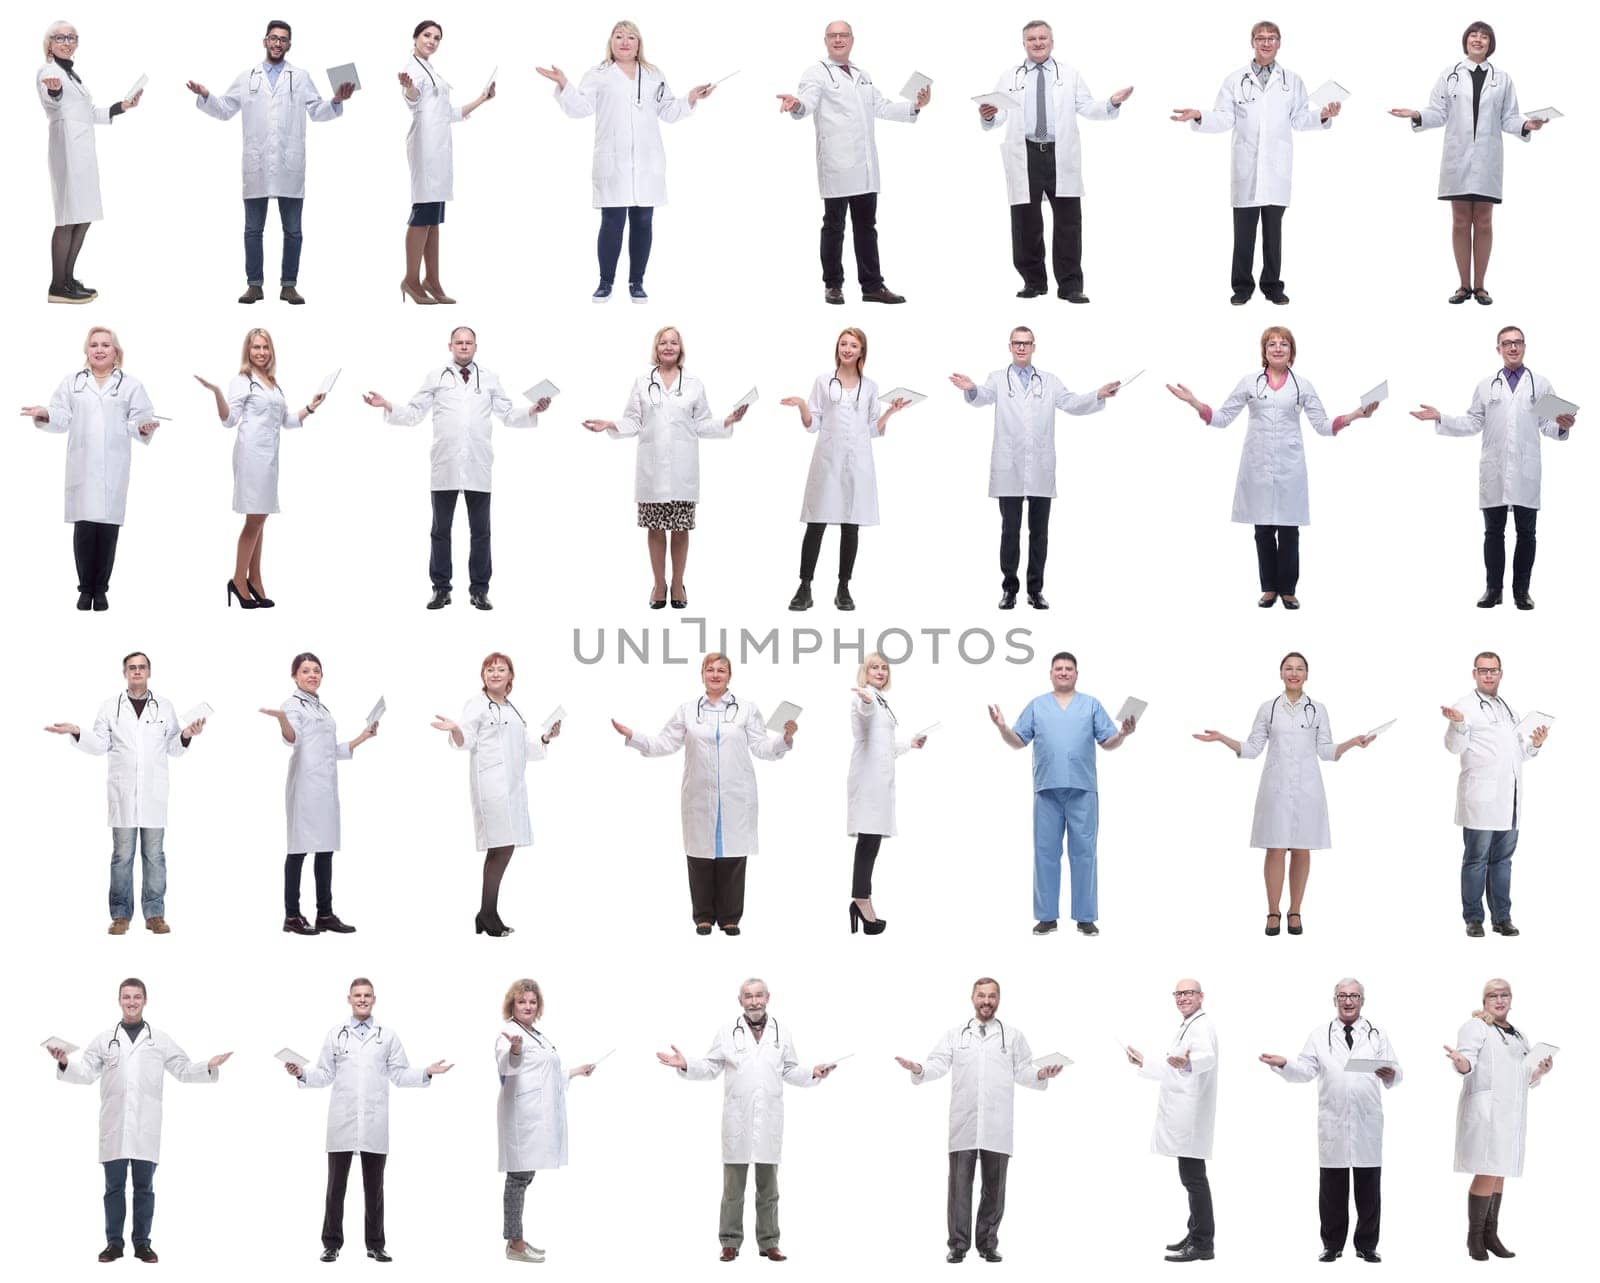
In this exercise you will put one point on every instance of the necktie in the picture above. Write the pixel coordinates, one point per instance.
(846, 69)
(466, 374)
(1349, 1037)
(1041, 114)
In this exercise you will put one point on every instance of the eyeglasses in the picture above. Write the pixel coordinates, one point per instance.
(1503, 342)
(1266, 39)
(64, 40)
(1185, 993)
(1349, 997)
(1021, 342)
(1487, 672)
(278, 40)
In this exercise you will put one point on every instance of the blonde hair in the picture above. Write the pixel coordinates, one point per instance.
(655, 343)
(521, 987)
(1495, 982)
(717, 657)
(861, 338)
(59, 27)
(632, 28)
(861, 672)
(244, 354)
(116, 343)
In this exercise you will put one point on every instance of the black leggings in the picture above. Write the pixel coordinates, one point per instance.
(321, 870)
(65, 244)
(811, 549)
(866, 853)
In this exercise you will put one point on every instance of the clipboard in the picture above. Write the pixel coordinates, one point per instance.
(344, 74)
(326, 386)
(543, 388)
(785, 712)
(558, 715)
(51, 1044)
(137, 86)
(376, 715)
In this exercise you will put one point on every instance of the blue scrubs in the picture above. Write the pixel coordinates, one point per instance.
(1066, 799)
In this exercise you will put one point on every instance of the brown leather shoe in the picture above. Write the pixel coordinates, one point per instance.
(883, 294)
(118, 927)
(728, 1254)
(157, 924)
(772, 1254)
(290, 295)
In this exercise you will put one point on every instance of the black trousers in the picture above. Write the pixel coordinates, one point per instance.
(811, 549)
(1494, 547)
(716, 890)
(371, 1194)
(1027, 227)
(479, 564)
(863, 211)
(1333, 1206)
(94, 548)
(1278, 558)
(1244, 249)
(1011, 541)
(991, 1202)
(867, 845)
(1202, 1226)
(321, 870)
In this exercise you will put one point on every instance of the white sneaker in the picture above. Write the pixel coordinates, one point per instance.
(529, 1254)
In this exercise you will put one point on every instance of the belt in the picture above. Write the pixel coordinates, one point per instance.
(1046, 146)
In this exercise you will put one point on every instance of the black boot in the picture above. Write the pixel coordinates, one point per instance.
(1477, 1214)
(802, 596)
(1491, 1229)
(842, 599)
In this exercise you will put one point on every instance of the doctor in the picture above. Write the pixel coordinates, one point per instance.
(1476, 103)
(1494, 1059)
(720, 738)
(629, 98)
(1486, 734)
(1022, 463)
(129, 1059)
(1261, 103)
(136, 733)
(869, 814)
(1042, 157)
(103, 410)
(990, 1062)
(74, 170)
(359, 1059)
(1510, 463)
(273, 94)
(756, 1058)
(499, 744)
(841, 98)
(667, 413)
(432, 161)
(1291, 816)
(1349, 1117)
(1186, 1114)
(464, 400)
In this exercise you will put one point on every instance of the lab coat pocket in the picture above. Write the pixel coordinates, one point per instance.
(528, 1094)
(77, 465)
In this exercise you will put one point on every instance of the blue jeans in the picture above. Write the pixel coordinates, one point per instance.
(153, 900)
(255, 223)
(609, 245)
(1486, 861)
(116, 1200)
(1074, 814)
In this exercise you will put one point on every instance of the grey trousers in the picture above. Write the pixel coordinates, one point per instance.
(964, 1164)
(516, 1187)
(730, 1228)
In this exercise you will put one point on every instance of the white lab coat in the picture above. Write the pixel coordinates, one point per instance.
(274, 126)
(754, 1073)
(1271, 488)
(1349, 1105)
(259, 413)
(1510, 464)
(875, 743)
(846, 107)
(532, 1111)
(74, 171)
(1023, 459)
(842, 484)
(1492, 751)
(1492, 1114)
(428, 146)
(136, 752)
(667, 465)
(1262, 121)
(1069, 99)
(719, 774)
(630, 164)
(1291, 806)
(990, 1062)
(501, 745)
(462, 457)
(1473, 162)
(130, 1087)
(360, 1071)
(312, 791)
(102, 423)
(1186, 1106)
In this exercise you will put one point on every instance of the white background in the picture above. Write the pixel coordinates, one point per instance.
(1152, 587)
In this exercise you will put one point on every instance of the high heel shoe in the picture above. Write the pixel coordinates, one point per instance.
(1273, 927)
(415, 295)
(872, 927)
(490, 925)
(246, 602)
(438, 295)
(265, 603)
(681, 603)
(657, 603)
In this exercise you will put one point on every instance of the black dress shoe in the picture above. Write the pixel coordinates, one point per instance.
(440, 599)
(379, 1255)
(990, 1255)
(1037, 601)
(1523, 601)
(1491, 597)
(99, 602)
(1044, 928)
(657, 603)
(1239, 300)
(479, 597)
(1505, 928)
(1072, 296)
(1032, 291)
(955, 1257)
(731, 930)
(1475, 930)
(833, 294)
(702, 928)
(329, 1254)
(1279, 299)
(681, 603)
(85, 600)
(842, 599)
(330, 922)
(265, 603)
(1008, 601)
(1289, 603)
(1179, 1245)
(1189, 1252)
(297, 925)
(1330, 1254)
(1372, 1258)
(110, 1252)
(802, 596)
(144, 1252)
(490, 924)
(87, 290)
(1088, 929)
(883, 294)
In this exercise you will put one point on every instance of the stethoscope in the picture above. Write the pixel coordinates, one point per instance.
(1019, 78)
(1035, 385)
(426, 71)
(884, 704)
(316, 706)
(497, 716)
(153, 706)
(80, 380)
(534, 1033)
(967, 1032)
(730, 711)
(1308, 712)
(258, 73)
(1487, 706)
(451, 373)
(836, 391)
(1265, 389)
(1455, 74)
(857, 76)
(1372, 1031)
(342, 1042)
(1250, 85)
(1500, 381)
(116, 1035)
(740, 1025)
(638, 85)
(656, 392)
(1184, 1027)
